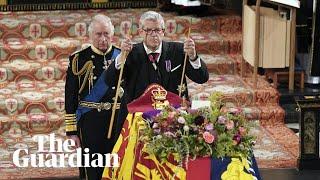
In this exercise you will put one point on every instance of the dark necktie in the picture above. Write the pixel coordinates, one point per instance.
(153, 57)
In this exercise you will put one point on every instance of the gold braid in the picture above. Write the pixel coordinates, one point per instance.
(87, 69)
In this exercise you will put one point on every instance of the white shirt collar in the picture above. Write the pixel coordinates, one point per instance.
(148, 51)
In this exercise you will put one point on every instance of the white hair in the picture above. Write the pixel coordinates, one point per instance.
(103, 19)
(151, 15)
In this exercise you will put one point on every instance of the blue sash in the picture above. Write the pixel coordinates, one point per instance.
(98, 90)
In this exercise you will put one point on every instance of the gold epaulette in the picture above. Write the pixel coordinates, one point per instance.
(71, 122)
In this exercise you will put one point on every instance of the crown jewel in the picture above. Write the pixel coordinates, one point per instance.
(159, 97)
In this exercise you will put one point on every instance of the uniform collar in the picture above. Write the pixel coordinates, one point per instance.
(96, 50)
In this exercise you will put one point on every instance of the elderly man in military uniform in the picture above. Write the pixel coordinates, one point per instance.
(88, 99)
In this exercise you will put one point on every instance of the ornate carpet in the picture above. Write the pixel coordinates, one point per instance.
(34, 47)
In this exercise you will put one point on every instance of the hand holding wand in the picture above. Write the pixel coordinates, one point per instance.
(182, 86)
(114, 107)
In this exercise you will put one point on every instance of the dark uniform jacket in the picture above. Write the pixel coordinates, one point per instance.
(85, 68)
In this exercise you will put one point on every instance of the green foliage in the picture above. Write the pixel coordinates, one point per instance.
(204, 132)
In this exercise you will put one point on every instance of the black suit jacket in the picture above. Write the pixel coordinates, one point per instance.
(138, 70)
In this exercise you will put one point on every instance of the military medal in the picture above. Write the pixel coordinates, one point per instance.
(106, 63)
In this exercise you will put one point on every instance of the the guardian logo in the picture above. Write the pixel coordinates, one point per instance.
(59, 151)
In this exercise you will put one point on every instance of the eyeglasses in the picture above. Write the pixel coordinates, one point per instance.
(149, 31)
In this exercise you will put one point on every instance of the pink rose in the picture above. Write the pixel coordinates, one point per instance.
(242, 131)
(230, 125)
(208, 137)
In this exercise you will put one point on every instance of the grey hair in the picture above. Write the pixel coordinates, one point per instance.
(151, 15)
(100, 18)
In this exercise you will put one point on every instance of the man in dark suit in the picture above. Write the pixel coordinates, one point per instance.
(88, 99)
(155, 61)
